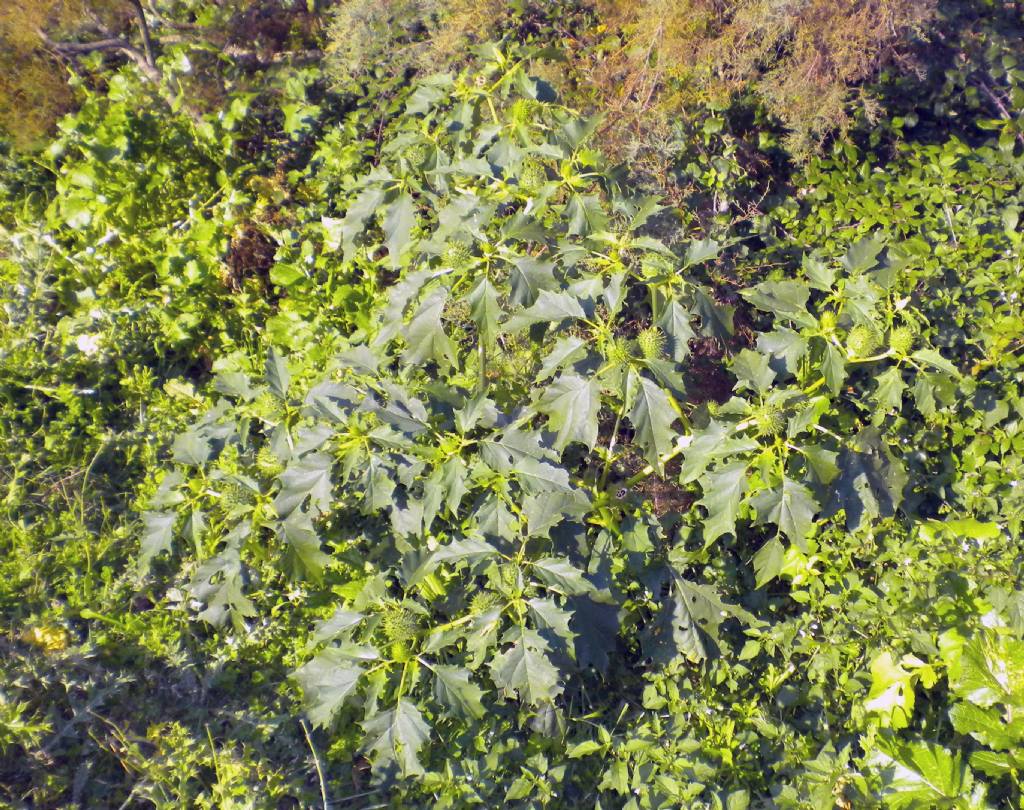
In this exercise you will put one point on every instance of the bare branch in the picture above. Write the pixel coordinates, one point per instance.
(144, 29)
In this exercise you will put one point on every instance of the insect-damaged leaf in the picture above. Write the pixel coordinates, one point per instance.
(723, 489)
(525, 669)
(395, 737)
(688, 622)
(453, 688)
(308, 477)
(157, 533)
(790, 506)
(327, 682)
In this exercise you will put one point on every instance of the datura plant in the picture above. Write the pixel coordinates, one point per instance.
(462, 486)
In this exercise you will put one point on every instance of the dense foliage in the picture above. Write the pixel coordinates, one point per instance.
(372, 439)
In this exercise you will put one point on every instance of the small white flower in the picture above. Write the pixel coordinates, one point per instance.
(96, 314)
(88, 344)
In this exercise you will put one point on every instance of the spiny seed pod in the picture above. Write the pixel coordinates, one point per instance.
(827, 322)
(415, 155)
(484, 601)
(456, 255)
(900, 340)
(267, 462)
(532, 176)
(770, 421)
(398, 625)
(652, 343)
(618, 351)
(234, 494)
(861, 341)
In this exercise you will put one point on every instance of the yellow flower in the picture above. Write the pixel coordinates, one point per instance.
(46, 637)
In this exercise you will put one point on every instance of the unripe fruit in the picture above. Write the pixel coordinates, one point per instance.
(398, 625)
(532, 176)
(618, 351)
(652, 343)
(456, 255)
(827, 322)
(484, 601)
(900, 340)
(415, 155)
(770, 421)
(267, 462)
(861, 341)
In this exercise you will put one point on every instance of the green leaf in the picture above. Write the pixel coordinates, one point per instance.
(571, 404)
(464, 549)
(699, 251)
(560, 575)
(675, 323)
(833, 368)
(567, 349)
(484, 309)
(787, 347)
(549, 307)
(340, 622)
(327, 682)
(304, 543)
(768, 562)
(396, 737)
(752, 371)
(920, 774)
(277, 375)
(345, 231)
(791, 507)
(652, 416)
(453, 688)
(540, 476)
(990, 671)
(525, 669)
(690, 617)
(723, 489)
(157, 534)
(785, 299)
(399, 219)
(863, 254)
(888, 394)
(585, 215)
(988, 726)
(425, 336)
(870, 482)
(308, 477)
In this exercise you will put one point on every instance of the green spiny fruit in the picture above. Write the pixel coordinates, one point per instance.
(652, 343)
(827, 322)
(267, 462)
(532, 176)
(398, 624)
(769, 420)
(618, 351)
(415, 155)
(233, 494)
(900, 340)
(484, 601)
(861, 341)
(456, 255)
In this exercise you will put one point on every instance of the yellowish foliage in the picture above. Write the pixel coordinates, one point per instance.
(802, 56)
